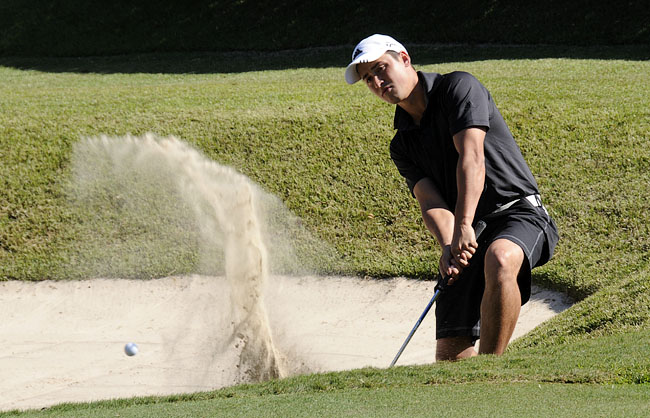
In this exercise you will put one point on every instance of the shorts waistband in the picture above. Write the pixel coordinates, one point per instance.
(533, 199)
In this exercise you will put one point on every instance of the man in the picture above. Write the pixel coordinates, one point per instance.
(462, 165)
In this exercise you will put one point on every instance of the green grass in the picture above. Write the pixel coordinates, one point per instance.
(322, 147)
(607, 376)
(471, 399)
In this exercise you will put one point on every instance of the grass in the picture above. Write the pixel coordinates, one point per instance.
(551, 400)
(321, 146)
(606, 376)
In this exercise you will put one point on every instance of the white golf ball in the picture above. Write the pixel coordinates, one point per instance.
(131, 349)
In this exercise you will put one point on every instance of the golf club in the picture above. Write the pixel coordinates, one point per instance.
(440, 287)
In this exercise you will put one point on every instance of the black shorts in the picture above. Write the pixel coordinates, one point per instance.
(458, 309)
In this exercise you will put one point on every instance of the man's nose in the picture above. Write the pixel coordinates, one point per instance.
(377, 81)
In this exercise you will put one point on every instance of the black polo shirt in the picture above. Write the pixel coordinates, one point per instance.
(457, 101)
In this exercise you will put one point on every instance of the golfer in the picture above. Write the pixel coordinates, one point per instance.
(462, 164)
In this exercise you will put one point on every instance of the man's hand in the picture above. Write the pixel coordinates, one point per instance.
(463, 244)
(448, 266)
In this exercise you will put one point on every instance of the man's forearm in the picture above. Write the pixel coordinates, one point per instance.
(436, 214)
(470, 177)
(470, 174)
(440, 222)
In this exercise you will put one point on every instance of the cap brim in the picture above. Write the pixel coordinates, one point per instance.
(351, 74)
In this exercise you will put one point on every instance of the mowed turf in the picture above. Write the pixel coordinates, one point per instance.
(470, 399)
(321, 146)
(595, 377)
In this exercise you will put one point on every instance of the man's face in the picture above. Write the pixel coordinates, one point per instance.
(388, 77)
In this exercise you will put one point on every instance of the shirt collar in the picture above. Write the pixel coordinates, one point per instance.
(403, 120)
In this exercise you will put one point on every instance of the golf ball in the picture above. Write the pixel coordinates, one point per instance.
(131, 349)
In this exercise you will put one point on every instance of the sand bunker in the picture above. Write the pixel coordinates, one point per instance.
(156, 204)
(64, 341)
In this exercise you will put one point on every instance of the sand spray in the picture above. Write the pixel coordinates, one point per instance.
(160, 199)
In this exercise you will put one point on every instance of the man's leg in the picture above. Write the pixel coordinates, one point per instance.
(501, 301)
(454, 348)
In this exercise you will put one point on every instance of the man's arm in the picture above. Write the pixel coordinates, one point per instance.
(439, 220)
(470, 178)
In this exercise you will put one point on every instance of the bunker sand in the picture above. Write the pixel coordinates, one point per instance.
(64, 341)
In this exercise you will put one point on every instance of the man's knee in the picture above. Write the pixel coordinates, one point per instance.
(503, 261)
(454, 348)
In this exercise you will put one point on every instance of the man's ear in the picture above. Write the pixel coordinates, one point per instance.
(405, 58)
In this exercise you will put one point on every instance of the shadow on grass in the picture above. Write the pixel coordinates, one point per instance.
(322, 57)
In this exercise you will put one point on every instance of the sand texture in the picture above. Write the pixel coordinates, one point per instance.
(64, 341)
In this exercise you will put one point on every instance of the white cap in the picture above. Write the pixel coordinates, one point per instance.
(369, 50)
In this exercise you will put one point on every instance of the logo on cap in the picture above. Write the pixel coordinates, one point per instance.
(357, 52)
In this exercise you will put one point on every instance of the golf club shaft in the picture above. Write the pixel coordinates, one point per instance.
(480, 226)
(415, 328)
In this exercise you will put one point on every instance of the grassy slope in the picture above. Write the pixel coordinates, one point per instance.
(321, 146)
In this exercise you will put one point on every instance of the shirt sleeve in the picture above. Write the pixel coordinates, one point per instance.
(405, 165)
(466, 102)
